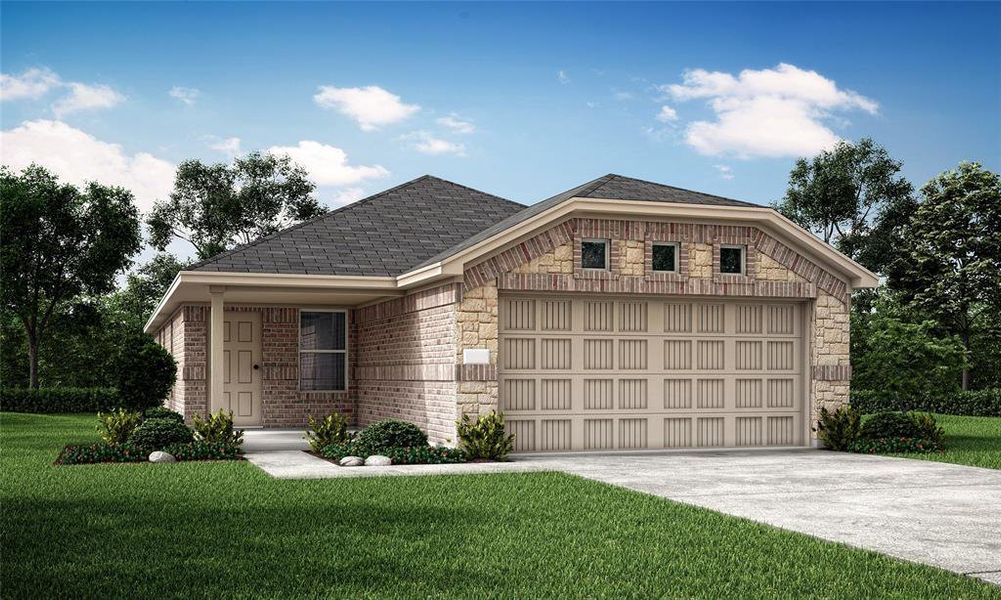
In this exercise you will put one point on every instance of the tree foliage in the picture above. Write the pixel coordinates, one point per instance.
(145, 287)
(853, 197)
(949, 266)
(59, 242)
(217, 206)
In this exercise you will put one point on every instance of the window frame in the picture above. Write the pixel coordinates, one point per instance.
(676, 267)
(300, 351)
(608, 250)
(743, 259)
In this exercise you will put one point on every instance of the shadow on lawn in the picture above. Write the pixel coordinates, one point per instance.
(87, 548)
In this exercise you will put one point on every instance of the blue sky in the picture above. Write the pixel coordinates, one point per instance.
(521, 100)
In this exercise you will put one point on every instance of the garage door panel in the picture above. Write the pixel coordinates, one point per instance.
(591, 373)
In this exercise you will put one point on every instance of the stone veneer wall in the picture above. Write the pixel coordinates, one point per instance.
(405, 361)
(282, 403)
(547, 262)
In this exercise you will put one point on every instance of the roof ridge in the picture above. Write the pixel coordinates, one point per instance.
(674, 187)
(330, 213)
(472, 189)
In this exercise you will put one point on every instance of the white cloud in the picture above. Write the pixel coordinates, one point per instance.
(229, 146)
(371, 106)
(456, 123)
(347, 196)
(31, 84)
(667, 114)
(184, 94)
(724, 171)
(623, 96)
(426, 143)
(328, 165)
(783, 111)
(78, 157)
(86, 97)
(562, 76)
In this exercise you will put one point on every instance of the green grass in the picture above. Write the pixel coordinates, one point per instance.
(226, 529)
(974, 441)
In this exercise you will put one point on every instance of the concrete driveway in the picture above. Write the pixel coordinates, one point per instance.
(939, 514)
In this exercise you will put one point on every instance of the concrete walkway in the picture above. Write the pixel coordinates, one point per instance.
(939, 514)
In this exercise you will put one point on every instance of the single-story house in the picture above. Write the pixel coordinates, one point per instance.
(620, 314)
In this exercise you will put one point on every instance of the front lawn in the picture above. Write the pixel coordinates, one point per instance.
(226, 529)
(974, 441)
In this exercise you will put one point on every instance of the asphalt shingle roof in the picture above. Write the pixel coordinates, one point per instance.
(385, 234)
(416, 224)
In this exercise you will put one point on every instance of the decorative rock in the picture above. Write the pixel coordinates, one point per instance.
(378, 460)
(351, 461)
(161, 457)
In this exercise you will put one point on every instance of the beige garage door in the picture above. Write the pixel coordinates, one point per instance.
(594, 373)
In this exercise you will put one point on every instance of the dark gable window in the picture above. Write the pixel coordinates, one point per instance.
(731, 260)
(323, 350)
(594, 254)
(665, 257)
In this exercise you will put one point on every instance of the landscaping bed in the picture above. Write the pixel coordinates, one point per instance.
(157, 435)
(225, 529)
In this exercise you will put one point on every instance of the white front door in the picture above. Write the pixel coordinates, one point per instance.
(242, 367)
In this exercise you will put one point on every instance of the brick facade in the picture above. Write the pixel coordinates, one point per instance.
(550, 262)
(405, 354)
(405, 361)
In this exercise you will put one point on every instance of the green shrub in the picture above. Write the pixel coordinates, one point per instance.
(901, 425)
(155, 434)
(894, 445)
(485, 437)
(59, 400)
(116, 426)
(839, 429)
(332, 429)
(391, 433)
(414, 455)
(978, 403)
(101, 452)
(162, 412)
(204, 450)
(217, 428)
(144, 373)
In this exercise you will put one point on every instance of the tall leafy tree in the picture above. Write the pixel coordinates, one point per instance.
(145, 286)
(853, 196)
(950, 264)
(56, 243)
(218, 206)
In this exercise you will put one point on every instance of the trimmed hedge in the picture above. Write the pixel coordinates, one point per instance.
(894, 445)
(414, 455)
(103, 452)
(59, 400)
(978, 403)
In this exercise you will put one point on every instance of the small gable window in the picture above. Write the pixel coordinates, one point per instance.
(594, 254)
(665, 257)
(731, 260)
(323, 350)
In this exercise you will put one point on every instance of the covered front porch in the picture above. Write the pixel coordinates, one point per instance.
(276, 349)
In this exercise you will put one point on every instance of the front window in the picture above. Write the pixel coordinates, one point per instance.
(594, 254)
(665, 258)
(323, 350)
(731, 260)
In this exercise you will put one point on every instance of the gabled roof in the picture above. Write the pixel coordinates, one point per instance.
(382, 235)
(607, 187)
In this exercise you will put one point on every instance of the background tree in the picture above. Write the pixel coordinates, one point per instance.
(59, 242)
(949, 267)
(145, 286)
(215, 207)
(853, 197)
